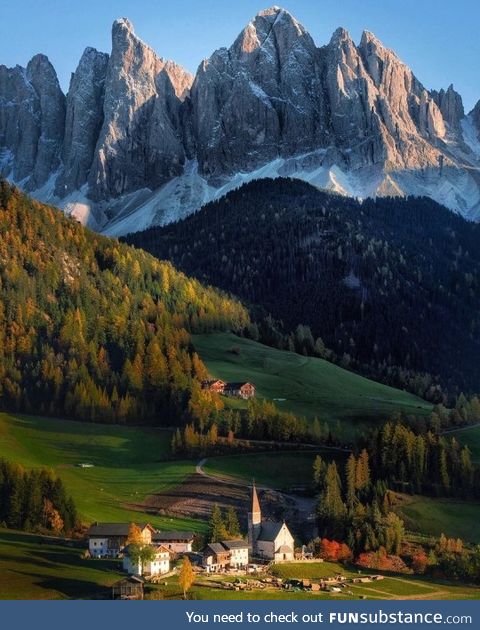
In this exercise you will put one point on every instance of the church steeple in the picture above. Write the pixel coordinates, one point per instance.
(256, 512)
(254, 519)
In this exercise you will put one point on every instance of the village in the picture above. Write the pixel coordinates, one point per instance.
(237, 565)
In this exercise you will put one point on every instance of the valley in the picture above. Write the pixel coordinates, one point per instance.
(239, 320)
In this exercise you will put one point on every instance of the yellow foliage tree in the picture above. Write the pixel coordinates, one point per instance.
(186, 577)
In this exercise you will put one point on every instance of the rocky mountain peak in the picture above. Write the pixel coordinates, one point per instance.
(271, 27)
(451, 106)
(271, 103)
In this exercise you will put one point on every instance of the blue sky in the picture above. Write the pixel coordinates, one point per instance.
(439, 39)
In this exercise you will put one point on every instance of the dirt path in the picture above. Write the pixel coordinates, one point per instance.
(465, 428)
(305, 505)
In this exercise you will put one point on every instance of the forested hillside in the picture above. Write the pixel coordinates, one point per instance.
(388, 287)
(94, 329)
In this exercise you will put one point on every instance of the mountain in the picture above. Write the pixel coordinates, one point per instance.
(138, 141)
(93, 329)
(391, 286)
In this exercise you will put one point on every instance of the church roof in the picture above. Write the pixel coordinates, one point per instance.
(270, 530)
(284, 549)
(255, 502)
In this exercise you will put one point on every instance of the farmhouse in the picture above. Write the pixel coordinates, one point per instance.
(176, 542)
(159, 564)
(236, 389)
(109, 539)
(270, 540)
(240, 390)
(214, 385)
(216, 557)
(238, 552)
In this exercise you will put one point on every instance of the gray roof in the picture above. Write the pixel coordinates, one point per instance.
(173, 536)
(235, 544)
(270, 530)
(215, 547)
(111, 529)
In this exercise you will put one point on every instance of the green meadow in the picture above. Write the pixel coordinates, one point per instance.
(434, 516)
(129, 464)
(469, 436)
(33, 567)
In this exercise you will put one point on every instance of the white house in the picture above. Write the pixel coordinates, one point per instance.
(270, 540)
(176, 542)
(109, 539)
(159, 565)
(238, 552)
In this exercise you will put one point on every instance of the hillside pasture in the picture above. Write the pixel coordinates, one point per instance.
(306, 386)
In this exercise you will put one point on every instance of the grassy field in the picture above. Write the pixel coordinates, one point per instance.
(280, 470)
(391, 587)
(307, 386)
(469, 436)
(127, 464)
(34, 568)
(454, 518)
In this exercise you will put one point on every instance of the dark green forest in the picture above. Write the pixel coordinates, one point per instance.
(93, 329)
(34, 500)
(387, 287)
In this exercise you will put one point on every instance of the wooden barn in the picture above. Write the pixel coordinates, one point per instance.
(129, 588)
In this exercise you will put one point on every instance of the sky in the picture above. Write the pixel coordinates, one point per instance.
(438, 39)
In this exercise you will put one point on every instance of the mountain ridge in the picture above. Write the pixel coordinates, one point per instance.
(139, 141)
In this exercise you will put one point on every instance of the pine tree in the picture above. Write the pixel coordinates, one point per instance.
(231, 523)
(218, 530)
(351, 477)
(319, 470)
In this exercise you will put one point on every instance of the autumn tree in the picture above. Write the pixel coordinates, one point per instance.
(186, 576)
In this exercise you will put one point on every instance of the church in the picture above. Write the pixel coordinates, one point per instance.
(269, 540)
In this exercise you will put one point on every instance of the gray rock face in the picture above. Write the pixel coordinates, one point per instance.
(83, 121)
(352, 118)
(51, 107)
(32, 117)
(450, 103)
(475, 113)
(140, 142)
(258, 99)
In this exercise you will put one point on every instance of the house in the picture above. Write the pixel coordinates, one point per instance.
(128, 588)
(176, 542)
(270, 540)
(239, 390)
(109, 539)
(215, 385)
(159, 565)
(216, 557)
(235, 390)
(238, 552)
